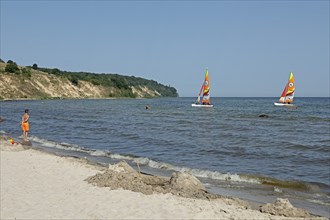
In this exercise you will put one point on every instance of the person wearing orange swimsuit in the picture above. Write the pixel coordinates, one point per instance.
(25, 124)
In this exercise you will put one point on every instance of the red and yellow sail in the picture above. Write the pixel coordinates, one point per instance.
(206, 90)
(288, 92)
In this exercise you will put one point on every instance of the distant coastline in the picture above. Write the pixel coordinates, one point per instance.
(34, 83)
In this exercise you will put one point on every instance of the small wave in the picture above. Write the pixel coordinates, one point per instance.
(232, 177)
(100, 153)
(281, 183)
(159, 165)
(121, 157)
(204, 173)
(319, 202)
(62, 146)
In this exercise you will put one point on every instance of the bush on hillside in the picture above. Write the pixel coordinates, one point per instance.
(26, 72)
(12, 67)
(74, 80)
(55, 71)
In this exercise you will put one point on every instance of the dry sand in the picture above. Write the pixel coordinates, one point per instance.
(38, 185)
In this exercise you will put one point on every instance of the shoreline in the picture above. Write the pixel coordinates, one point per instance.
(37, 184)
(256, 194)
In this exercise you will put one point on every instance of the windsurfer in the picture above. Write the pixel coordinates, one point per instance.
(288, 92)
(204, 92)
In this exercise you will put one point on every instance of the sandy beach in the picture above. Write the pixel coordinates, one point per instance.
(39, 185)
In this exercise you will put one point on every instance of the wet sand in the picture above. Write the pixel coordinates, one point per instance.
(39, 185)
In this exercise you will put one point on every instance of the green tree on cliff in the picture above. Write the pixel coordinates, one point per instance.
(12, 67)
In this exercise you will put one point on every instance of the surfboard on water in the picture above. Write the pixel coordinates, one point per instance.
(282, 104)
(201, 105)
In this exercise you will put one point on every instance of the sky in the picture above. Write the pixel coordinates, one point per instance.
(249, 47)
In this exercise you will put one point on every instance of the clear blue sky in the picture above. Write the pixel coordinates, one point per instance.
(249, 47)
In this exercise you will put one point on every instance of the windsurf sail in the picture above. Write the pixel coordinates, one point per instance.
(288, 92)
(205, 90)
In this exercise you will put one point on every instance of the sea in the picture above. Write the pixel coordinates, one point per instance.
(231, 148)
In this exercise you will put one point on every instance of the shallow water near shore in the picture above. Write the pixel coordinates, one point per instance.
(229, 147)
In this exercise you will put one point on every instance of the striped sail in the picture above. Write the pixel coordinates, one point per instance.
(288, 92)
(206, 89)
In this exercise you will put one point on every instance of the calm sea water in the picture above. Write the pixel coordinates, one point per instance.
(228, 147)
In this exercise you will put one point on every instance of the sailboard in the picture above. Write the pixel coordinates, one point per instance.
(204, 92)
(287, 96)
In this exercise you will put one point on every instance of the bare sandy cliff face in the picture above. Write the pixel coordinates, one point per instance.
(41, 85)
